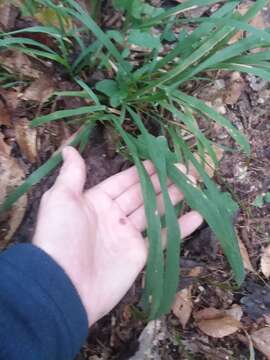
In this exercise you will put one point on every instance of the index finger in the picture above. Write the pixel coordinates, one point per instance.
(117, 184)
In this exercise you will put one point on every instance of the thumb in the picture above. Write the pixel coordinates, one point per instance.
(73, 171)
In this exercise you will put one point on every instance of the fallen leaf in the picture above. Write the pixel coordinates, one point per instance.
(245, 257)
(4, 147)
(40, 90)
(196, 271)
(182, 306)
(5, 116)
(235, 88)
(26, 138)
(8, 15)
(12, 176)
(217, 323)
(207, 313)
(261, 340)
(16, 62)
(10, 98)
(235, 311)
(265, 263)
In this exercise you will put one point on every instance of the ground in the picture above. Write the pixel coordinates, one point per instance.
(206, 280)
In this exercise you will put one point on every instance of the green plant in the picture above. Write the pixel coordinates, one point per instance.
(153, 90)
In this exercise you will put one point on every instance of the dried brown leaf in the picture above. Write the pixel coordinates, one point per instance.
(234, 89)
(5, 116)
(40, 90)
(265, 262)
(217, 323)
(8, 15)
(235, 311)
(16, 62)
(182, 306)
(196, 271)
(208, 313)
(10, 98)
(26, 138)
(245, 257)
(261, 341)
(4, 147)
(12, 176)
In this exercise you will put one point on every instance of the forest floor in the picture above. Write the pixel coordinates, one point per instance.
(206, 282)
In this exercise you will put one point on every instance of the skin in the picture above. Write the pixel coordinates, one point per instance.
(95, 234)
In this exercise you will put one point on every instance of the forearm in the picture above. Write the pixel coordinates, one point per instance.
(41, 314)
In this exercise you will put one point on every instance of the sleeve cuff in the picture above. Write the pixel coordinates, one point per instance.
(39, 273)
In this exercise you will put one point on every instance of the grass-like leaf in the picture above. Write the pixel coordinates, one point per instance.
(155, 264)
(62, 114)
(201, 107)
(41, 172)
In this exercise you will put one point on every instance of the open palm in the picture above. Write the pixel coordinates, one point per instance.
(96, 235)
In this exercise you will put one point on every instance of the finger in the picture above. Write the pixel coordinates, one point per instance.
(138, 217)
(73, 171)
(121, 182)
(188, 223)
(132, 198)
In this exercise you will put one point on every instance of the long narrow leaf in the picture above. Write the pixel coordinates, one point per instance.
(86, 19)
(39, 174)
(154, 271)
(61, 114)
(157, 150)
(200, 106)
(187, 5)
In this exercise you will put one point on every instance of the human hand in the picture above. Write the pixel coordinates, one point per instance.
(95, 235)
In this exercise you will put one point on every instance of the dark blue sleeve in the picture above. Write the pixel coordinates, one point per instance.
(41, 314)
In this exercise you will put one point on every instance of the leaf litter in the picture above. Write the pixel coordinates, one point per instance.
(219, 323)
(40, 90)
(26, 138)
(182, 307)
(12, 175)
